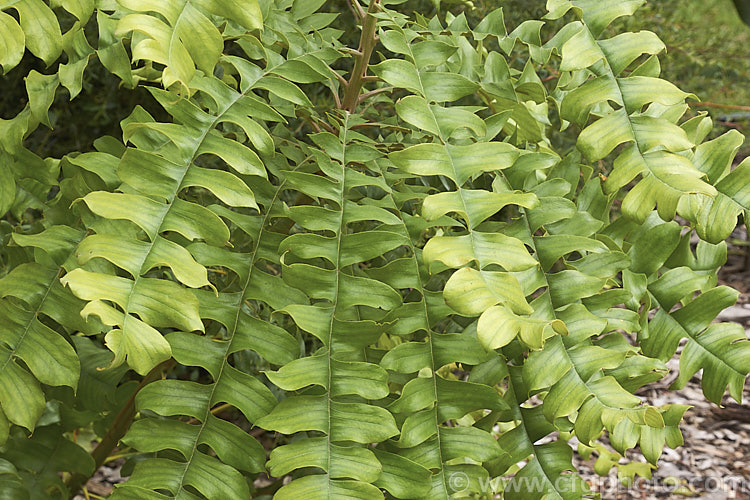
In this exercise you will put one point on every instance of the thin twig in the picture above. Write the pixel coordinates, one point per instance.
(344, 84)
(361, 10)
(351, 8)
(317, 124)
(328, 127)
(341, 80)
(367, 95)
(336, 98)
(352, 51)
(379, 125)
(716, 105)
(313, 125)
(731, 125)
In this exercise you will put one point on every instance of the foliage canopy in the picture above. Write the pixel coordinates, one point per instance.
(383, 259)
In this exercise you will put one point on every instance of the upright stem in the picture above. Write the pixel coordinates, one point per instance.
(367, 43)
(117, 430)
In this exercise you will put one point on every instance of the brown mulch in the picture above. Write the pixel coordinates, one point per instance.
(714, 462)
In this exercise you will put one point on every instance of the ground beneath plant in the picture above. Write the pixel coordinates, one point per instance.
(713, 464)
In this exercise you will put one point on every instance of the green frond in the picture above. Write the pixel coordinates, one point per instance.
(47, 355)
(719, 349)
(37, 29)
(640, 117)
(149, 198)
(187, 37)
(324, 268)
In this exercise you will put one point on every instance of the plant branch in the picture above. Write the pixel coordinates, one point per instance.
(487, 98)
(344, 83)
(336, 98)
(380, 125)
(372, 93)
(326, 126)
(355, 13)
(716, 105)
(359, 8)
(367, 43)
(351, 51)
(117, 430)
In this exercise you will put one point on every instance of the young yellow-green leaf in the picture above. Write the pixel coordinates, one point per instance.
(139, 257)
(188, 39)
(580, 51)
(246, 13)
(474, 205)
(158, 302)
(484, 248)
(78, 50)
(82, 9)
(39, 24)
(12, 42)
(224, 185)
(469, 292)
(142, 346)
(498, 326)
